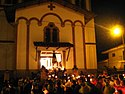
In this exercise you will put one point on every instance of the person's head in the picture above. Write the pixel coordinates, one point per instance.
(107, 81)
(100, 79)
(79, 81)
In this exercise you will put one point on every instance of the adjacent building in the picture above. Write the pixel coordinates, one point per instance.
(115, 58)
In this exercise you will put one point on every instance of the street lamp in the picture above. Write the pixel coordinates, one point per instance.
(119, 31)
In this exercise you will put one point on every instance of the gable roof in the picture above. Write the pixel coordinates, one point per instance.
(11, 9)
(113, 49)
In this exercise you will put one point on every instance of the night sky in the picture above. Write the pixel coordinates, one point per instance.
(108, 13)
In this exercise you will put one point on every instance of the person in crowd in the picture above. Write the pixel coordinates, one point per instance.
(59, 88)
(74, 83)
(108, 89)
(36, 86)
(122, 86)
(6, 88)
(100, 85)
(77, 87)
(27, 87)
(92, 83)
(44, 89)
(85, 88)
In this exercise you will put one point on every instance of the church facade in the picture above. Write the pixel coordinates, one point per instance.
(54, 34)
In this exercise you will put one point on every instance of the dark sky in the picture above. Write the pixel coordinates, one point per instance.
(108, 13)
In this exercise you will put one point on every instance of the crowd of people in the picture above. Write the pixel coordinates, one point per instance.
(60, 82)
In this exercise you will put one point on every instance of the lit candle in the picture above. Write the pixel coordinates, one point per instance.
(49, 76)
(72, 75)
(88, 75)
(77, 77)
(86, 79)
(116, 91)
(56, 77)
(90, 79)
(68, 77)
(53, 75)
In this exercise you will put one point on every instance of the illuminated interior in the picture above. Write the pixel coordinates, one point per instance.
(46, 59)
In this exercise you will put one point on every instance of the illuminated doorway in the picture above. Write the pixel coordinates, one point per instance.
(46, 59)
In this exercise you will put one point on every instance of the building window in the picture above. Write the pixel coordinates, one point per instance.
(47, 35)
(113, 54)
(51, 33)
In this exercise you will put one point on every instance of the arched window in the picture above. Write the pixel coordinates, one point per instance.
(55, 35)
(51, 33)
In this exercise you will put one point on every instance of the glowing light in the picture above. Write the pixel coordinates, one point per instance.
(116, 90)
(56, 77)
(62, 68)
(77, 77)
(53, 75)
(86, 79)
(68, 77)
(123, 74)
(116, 31)
(72, 75)
(49, 76)
(88, 75)
(90, 79)
(46, 60)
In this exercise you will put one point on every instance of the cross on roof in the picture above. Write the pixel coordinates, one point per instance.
(51, 6)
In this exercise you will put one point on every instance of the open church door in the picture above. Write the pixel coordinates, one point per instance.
(50, 59)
